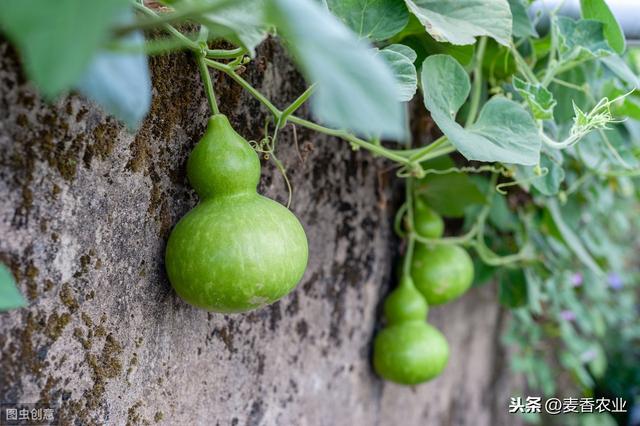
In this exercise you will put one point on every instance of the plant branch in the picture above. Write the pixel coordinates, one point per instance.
(208, 84)
(295, 105)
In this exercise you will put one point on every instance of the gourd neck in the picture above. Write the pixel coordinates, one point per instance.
(223, 163)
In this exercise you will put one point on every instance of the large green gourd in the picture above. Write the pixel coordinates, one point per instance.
(236, 250)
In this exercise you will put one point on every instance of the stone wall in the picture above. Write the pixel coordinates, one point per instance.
(86, 210)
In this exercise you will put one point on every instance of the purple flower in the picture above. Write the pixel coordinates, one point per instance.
(614, 280)
(568, 315)
(576, 279)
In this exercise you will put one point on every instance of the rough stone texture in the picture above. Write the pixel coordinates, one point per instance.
(85, 213)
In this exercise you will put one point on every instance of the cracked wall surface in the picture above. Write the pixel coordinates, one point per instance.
(86, 210)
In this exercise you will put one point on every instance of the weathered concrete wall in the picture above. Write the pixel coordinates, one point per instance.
(86, 209)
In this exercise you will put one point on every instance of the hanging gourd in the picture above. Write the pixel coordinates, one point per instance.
(236, 250)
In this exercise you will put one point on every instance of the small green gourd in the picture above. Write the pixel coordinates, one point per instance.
(405, 303)
(428, 223)
(236, 250)
(441, 273)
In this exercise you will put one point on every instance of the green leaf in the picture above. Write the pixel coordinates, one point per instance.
(438, 190)
(461, 21)
(450, 194)
(599, 11)
(120, 82)
(512, 292)
(540, 100)
(445, 83)
(405, 51)
(10, 297)
(356, 88)
(58, 39)
(548, 184)
(504, 131)
(522, 25)
(242, 23)
(570, 238)
(400, 58)
(414, 36)
(374, 19)
(581, 40)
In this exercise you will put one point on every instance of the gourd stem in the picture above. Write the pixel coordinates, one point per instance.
(225, 54)
(245, 84)
(208, 85)
(352, 139)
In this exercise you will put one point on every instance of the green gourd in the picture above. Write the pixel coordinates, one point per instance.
(441, 273)
(236, 250)
(410, 352)
(405, 303)
(428, 223)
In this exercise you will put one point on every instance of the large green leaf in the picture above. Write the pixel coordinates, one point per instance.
(120, 82)
(242, 22)
(356, 88)
(374, 19)
(540, 100)
(504, 131)
(522, 25)
(415, 36)
(582, 39)
(400, 58)
(599, 11)
(57, 39)
(10, 297)
(448, 194)
(461, 21)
